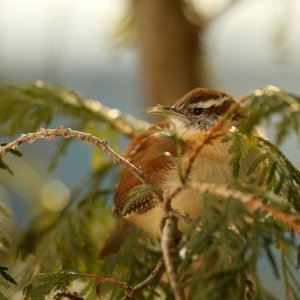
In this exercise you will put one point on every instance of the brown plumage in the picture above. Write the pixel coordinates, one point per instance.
(155, 153)
(143, 153)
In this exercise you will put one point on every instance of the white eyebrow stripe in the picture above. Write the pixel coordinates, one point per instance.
(213, 102)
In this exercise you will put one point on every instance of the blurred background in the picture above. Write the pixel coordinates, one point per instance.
(130, 54)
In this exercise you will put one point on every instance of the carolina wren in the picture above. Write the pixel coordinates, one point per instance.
(155, 153)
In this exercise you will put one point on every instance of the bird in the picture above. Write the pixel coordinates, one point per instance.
(157, 151)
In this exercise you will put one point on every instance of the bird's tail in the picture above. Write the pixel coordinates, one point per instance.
(115, 239)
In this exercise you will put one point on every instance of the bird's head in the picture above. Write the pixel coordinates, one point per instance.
(199, 110)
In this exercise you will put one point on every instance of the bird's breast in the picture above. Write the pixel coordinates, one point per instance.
(211, 166)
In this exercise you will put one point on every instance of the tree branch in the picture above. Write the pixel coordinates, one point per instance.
(170, 232)
(168, 247)
(60, 131)
(251, 201)
(148, 281)
(120, 284)
(129, 290)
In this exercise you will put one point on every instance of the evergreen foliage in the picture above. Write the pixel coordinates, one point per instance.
(43, 283)
(38, 104)
(278, 108)
(224, 243)
(5, 240)
(5, 280)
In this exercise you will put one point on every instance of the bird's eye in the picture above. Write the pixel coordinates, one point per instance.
(198, 111)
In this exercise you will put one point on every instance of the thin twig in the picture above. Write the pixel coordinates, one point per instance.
(153, 276)
(60, 131)
(249, 200)
(148, 281)
(169, 235)
(169, 219)
(168, 245)
(293, 222)
(120, 284)
(129, 290)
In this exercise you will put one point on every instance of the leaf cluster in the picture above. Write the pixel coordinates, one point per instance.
(219, 254)
(44, 284)
(35, 105)
(278, 108)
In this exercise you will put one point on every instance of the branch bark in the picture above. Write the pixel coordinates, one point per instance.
(60, 131)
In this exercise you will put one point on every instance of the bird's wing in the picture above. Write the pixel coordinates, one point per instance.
(152, 152)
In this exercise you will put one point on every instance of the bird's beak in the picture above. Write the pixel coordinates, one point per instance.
(168, 111)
